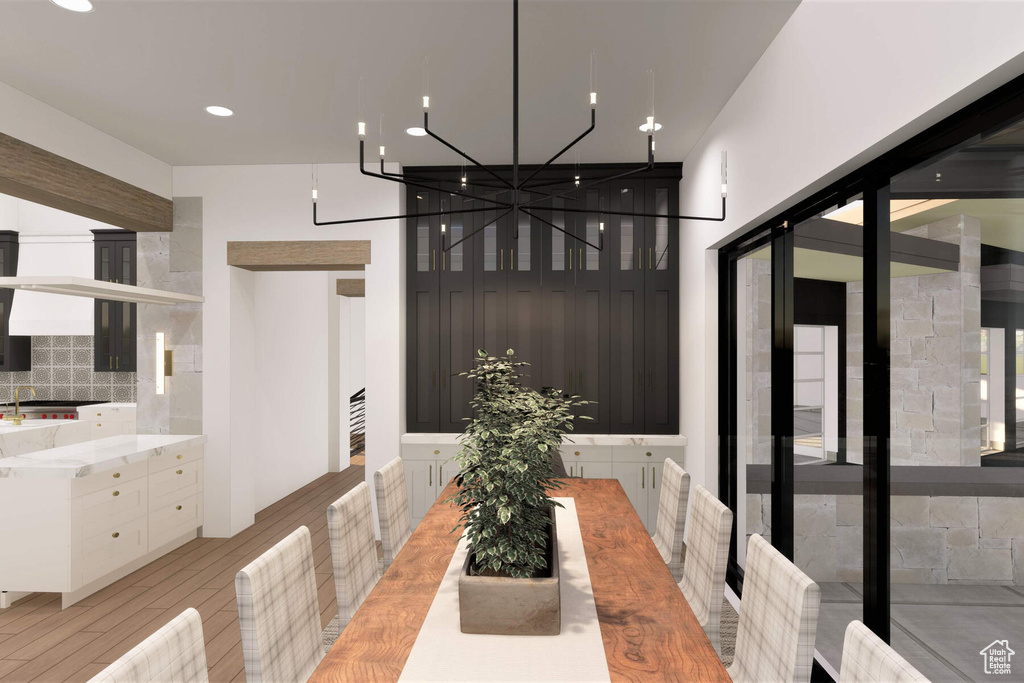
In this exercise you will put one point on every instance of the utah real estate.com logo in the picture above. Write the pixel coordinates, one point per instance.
(997, 657)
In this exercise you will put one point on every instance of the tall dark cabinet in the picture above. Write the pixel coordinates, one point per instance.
(15, 352)
(115, 321)
(600, 323)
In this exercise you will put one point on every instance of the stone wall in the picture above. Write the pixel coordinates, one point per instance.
(172, 261)
(757, 418)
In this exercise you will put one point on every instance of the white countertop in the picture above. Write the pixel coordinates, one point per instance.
(38, 435)
(427, 439)
(90, 457)
(113, 405)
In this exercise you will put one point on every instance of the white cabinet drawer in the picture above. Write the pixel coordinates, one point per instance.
(648, 454)
(105, 551)
(106, 413)
(95, 482)
(173, 498)
(175, 479)
(101, 430)
(440, 452)
(172, 520)
(106, 508)
(573, 454)
(589, 470)
(163, 462)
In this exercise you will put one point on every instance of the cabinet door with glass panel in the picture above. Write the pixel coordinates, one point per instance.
(115, 321)
(661, 307)
(456, 310)
(625, 242)
(422, 311)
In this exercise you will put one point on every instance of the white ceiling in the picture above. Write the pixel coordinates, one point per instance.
(143, 71)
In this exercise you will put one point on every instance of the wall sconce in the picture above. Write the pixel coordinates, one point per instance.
(164, 363)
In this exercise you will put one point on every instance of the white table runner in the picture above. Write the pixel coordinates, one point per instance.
(442, 652)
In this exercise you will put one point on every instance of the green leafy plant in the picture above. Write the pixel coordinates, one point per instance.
(506, 467)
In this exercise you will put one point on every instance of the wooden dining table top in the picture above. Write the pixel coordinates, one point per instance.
(648, 628)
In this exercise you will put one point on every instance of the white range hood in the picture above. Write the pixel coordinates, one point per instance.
(37, 313)
(64, 285)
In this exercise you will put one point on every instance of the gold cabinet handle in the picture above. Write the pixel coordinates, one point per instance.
(648, 454)
(115, 534)
(177, 507)
(99, 414)
(117, 475)
(581, 471)
(576, 453)
(178, 472)
(654, 477)
(643, 478)
(117, 363)
(430, 475)
(639, 258)
(179, 456)
(443, 260)
(434, 252)
(570, 259)
(437, 452)
(440, 475)
(503, 258)
(579, 257)
(117, 493)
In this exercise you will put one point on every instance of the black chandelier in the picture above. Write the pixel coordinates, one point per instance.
(516, 187)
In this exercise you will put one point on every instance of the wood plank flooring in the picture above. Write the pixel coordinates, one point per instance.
(41, 642)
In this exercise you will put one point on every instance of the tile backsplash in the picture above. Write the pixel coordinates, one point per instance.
(62, 369)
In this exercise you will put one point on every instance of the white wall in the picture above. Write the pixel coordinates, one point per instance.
(273, 203)
(351, 363)
(39, 124)
(842, 82)
(291, 383)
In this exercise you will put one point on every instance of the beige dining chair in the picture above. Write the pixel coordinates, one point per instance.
(668, 532)
(353, 550)
(174, 653)
(278, 612)
(707, 555)
(867, 658)
(778, 619)
(392, 509)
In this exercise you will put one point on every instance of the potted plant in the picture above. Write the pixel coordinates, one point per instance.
(509, 584)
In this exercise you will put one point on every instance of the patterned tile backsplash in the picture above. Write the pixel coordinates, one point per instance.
(62, 369)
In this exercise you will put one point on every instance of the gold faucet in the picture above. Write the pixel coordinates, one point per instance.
(17, 418)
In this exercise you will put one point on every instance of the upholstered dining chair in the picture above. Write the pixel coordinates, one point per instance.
(668, 532)
(278, 612)
(778, 619)
(867, 658)
(392, 509)
(174, 653)
(707, 555)
(353, 550)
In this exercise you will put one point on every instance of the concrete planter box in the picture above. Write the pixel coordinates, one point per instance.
(512, 607)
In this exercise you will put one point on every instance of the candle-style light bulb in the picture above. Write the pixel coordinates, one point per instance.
(359, 112)
(426, 84)
(593, 93)
(577, 168)
(380, 136)
(725, 173)
(315, 180)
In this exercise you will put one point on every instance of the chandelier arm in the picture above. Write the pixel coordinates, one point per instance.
(462, 154)
(485, 225)
(563, 230)
(411, 183)
(600, 181)
(593, 122)
(424, 179)
(716, 219)
(398, 217)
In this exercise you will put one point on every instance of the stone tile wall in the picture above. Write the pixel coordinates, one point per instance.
(62, 370)
(173, 261)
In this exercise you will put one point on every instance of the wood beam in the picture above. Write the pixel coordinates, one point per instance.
(309, 255)
(352, 288)
(32, 173)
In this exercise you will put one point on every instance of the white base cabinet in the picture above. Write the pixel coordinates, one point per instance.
(636, 461)
(109, 419)
(76, 535)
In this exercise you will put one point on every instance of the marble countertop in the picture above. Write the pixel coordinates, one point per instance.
(90, 457)
(113, 405)
(38, 435)
(427, 439)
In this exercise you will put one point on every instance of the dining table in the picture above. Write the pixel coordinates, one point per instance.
(648, 630)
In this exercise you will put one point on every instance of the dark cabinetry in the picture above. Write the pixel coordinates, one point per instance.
(15, 352)
(600, 323)
(115, 321)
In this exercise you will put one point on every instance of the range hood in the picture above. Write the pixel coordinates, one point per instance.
(38, 313)
(94, 289)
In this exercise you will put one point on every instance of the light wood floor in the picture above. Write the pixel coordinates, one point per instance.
(41, 642)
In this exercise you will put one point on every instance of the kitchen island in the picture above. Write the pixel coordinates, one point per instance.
(38, 435)
(86, 514)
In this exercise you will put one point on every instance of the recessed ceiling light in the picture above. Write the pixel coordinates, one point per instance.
(219, 111)
(647, 127)
(74, 5)
(417, 132)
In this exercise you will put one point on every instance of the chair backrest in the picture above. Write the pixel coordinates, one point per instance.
(707, 555)
(279, 613)
(778, 618)
(668, 533)
(353, 550)
(174, 653)
(867, 658)
(392, 509)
